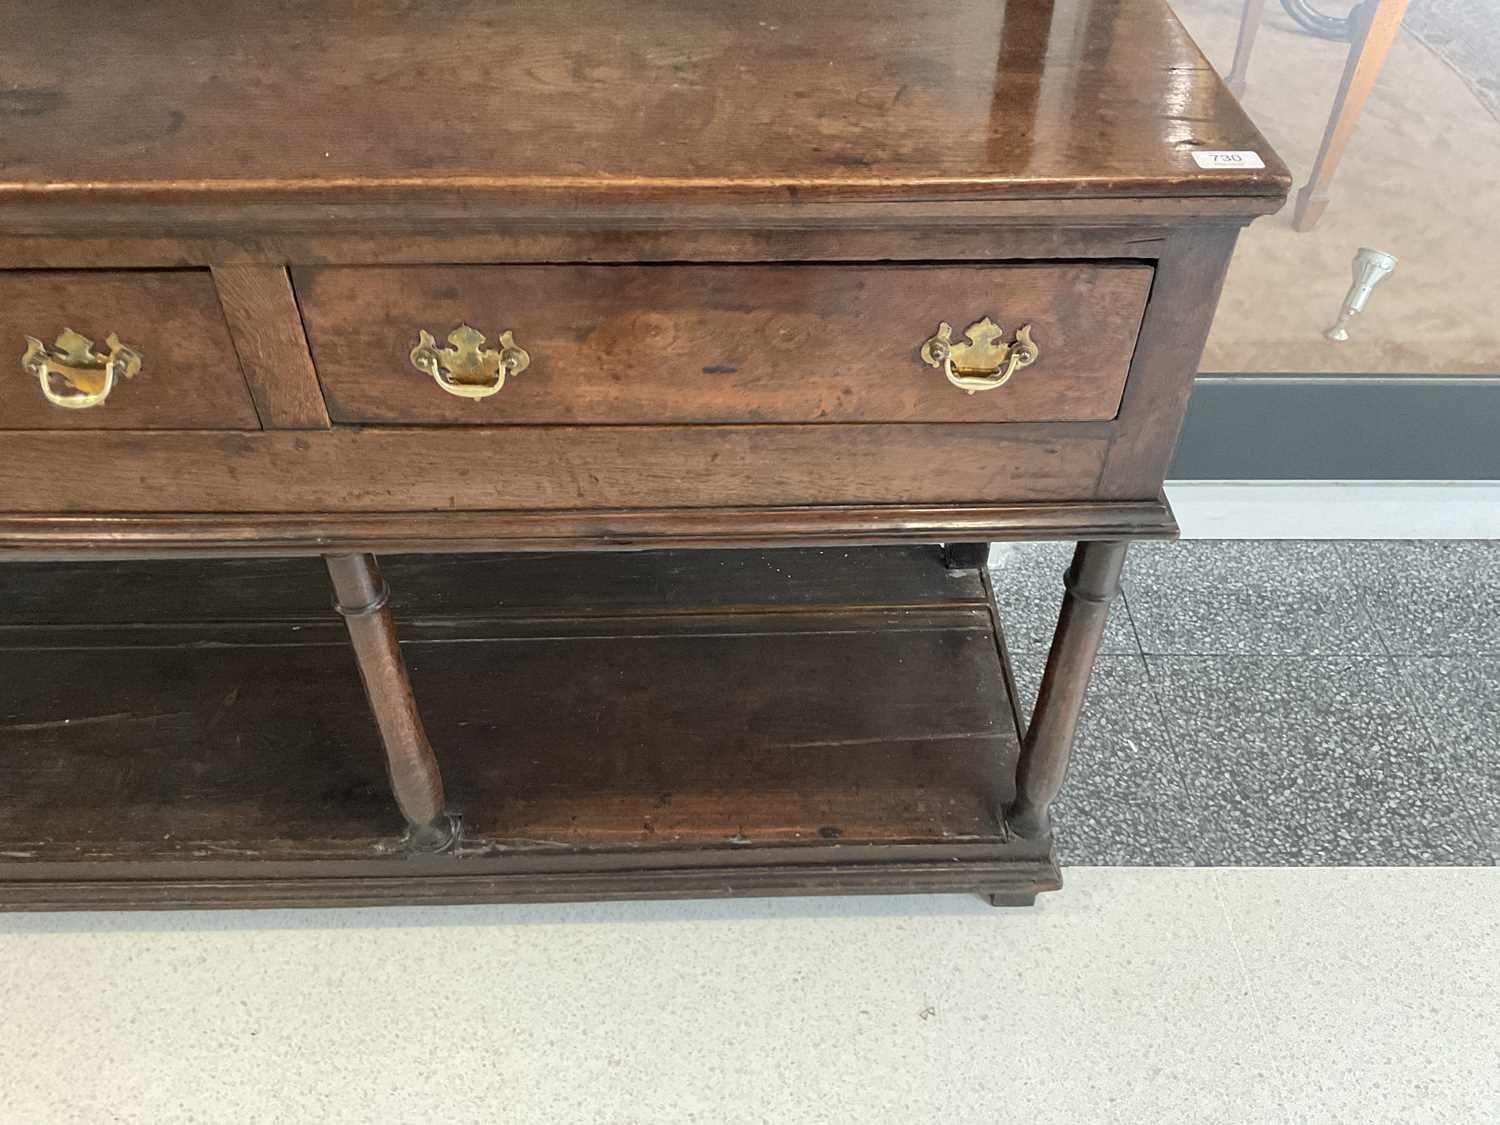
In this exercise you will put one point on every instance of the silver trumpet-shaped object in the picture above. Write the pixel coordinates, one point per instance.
(1370, 268)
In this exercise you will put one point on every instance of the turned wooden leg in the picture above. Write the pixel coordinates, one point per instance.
(1375, 23)
(362, 598)
(1091, 585)
(1249, 26)
(966, 556)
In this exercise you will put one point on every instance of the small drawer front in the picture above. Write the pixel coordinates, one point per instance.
(126, 350)
(599, 345)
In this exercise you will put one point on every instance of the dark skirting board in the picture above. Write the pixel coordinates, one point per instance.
(1341, 427)
(658, 724)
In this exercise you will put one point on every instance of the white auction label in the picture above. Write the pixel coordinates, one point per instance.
(1224, 159)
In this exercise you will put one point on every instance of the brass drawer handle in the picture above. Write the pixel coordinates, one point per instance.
(986, 361)
(467, 368)
(73, 374)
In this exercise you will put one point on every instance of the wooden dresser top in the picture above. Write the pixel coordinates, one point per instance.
(598, 101)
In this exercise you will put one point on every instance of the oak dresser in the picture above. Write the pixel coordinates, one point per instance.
(678, 359)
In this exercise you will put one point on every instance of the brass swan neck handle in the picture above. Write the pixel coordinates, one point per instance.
(984, 361)
(467, 368)
(74, 374)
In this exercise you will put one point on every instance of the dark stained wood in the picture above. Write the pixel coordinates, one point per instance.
(113, 536)
(1012, 898)
(965, 556)
(759, 100)
(713, 875)
(1091, 585)
(613, 738)
(416, 781)
(267, 331)
(189, 379)
(618, 344)
(1189, 278)
(811, 759)
(522, 467)
(633, 751)
(686, 210)
(868, 232)
(436, 588)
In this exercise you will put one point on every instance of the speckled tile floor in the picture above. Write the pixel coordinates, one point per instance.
(1280, 702)
(1137, 995)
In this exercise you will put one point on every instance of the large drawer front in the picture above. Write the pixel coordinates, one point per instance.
(722, 343)
(174, 368)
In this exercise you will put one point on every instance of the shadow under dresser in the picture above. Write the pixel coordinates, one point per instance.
(678, 361)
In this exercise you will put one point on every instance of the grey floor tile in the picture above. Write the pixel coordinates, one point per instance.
(1431, 597)
(1205, 597)
(1028, 581)
(1459, 699)
(1311, 761)
(1124, 801)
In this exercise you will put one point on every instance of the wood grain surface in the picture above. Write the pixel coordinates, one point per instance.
(652, 344)
(190, 376)
(426, 590)
(122, 535)
(599, 101)
(569, 715)
(723, 230)
(557, 467)
(268, 335)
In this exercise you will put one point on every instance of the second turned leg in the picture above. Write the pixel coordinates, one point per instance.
(416, 782)
(1091, 585)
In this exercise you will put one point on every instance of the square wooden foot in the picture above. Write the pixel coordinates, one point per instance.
(1012, 898)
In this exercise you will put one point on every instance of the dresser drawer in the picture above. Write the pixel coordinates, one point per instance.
(148, 349)
(721, 343)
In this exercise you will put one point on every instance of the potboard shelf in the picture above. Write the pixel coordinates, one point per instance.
(662, 724)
